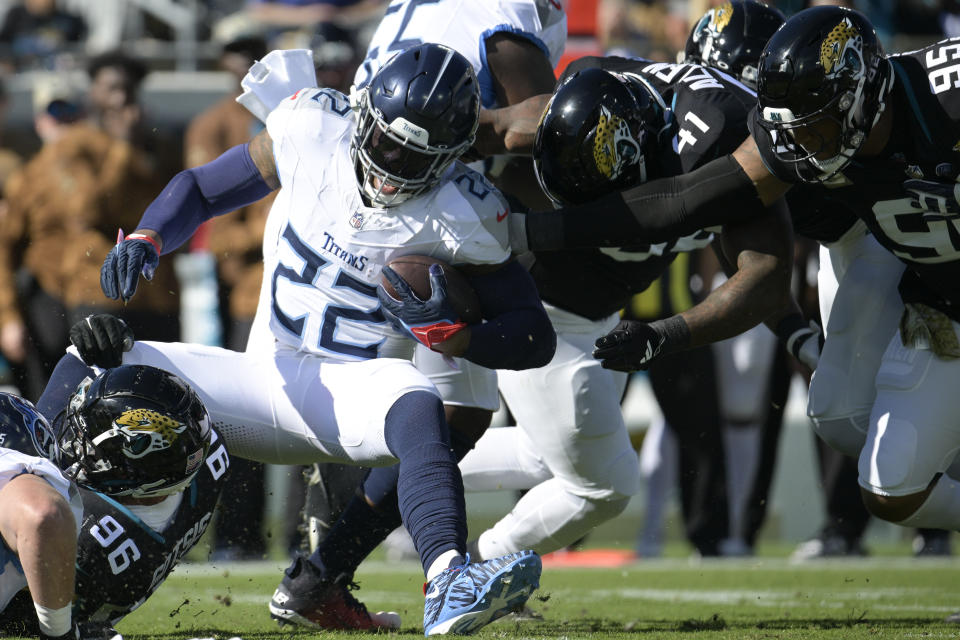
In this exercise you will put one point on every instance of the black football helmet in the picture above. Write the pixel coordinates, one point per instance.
(823, 81)
(24, 429)
(731, 37)
(415, 117)
(133, 431)
(600, 132)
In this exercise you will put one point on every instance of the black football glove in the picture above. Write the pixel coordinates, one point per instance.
(123, 265)
(429, 321)
(631, 346)
(101, 340)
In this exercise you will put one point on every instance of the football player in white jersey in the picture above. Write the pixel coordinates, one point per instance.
(513, 45)
(40, 512)
(359, 186)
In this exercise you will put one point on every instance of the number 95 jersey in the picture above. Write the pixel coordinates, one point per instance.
(121, 560)
(464, 26)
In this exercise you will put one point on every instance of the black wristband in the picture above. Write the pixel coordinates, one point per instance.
(675, 331)
(789, 325)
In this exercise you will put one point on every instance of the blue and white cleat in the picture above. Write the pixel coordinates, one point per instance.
(462, 599)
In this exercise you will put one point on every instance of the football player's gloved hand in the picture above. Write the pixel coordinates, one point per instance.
(633, 345)
(101, 340)
(429, 321)
(806, 343)
(932, 195)
(122, 267)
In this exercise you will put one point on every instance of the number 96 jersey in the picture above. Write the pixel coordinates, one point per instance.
(121, 560)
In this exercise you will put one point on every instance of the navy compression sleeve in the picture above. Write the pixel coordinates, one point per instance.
(716, 194)
(517, 334)
(195, 195)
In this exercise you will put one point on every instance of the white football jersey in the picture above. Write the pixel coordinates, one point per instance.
(324, 248)
(464, 26)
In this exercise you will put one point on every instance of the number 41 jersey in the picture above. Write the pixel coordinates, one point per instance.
(121, 560)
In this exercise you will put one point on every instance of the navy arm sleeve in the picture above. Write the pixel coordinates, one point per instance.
(195, 195)
(713, 195)
(517, 333)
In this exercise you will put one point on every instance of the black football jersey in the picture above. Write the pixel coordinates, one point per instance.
(926, 134)
(121, 560)
(708, 119)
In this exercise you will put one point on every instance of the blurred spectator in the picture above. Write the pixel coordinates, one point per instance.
(286, 23)
(35, 32)
(652, 29)
(65, 206)
(115, 80)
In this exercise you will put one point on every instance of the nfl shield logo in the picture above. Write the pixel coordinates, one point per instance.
(356, 220)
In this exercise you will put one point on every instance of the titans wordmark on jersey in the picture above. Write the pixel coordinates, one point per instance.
(464, 26)
(121, 560)
(707, 118)
(324, 248)
(924, 143)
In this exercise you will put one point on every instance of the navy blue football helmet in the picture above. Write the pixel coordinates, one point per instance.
(23, 429)
(730, 37)
(415, 117)
(133, 431)
(601, 132)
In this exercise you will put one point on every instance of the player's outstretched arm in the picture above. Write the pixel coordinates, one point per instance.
(731, 189)
(762, 250)
(240, 176)
(523, 81)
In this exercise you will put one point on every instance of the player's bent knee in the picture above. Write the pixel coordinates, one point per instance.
(896, 509)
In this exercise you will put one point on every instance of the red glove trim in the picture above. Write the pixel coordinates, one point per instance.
(142, 236)
(434, 334)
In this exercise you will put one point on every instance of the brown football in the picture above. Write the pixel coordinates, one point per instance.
(414, 269)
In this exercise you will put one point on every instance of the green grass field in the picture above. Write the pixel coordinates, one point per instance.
(676, 599)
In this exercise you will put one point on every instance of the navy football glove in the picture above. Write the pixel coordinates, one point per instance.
(631, 346)
(931, 195)
(126, 261)
(430, 321)
(101, 340)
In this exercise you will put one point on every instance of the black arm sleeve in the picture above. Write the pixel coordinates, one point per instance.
(717, 193)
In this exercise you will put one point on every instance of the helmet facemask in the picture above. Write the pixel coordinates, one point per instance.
(137, 454)
(395, 161)
(823, 141)
(609, 147)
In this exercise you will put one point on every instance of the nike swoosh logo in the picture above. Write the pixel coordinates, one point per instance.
(434, 592)
(501, 216)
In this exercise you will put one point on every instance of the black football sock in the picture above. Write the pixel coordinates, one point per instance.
(429, 486)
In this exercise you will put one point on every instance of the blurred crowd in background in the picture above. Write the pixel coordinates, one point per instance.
(98, 152)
